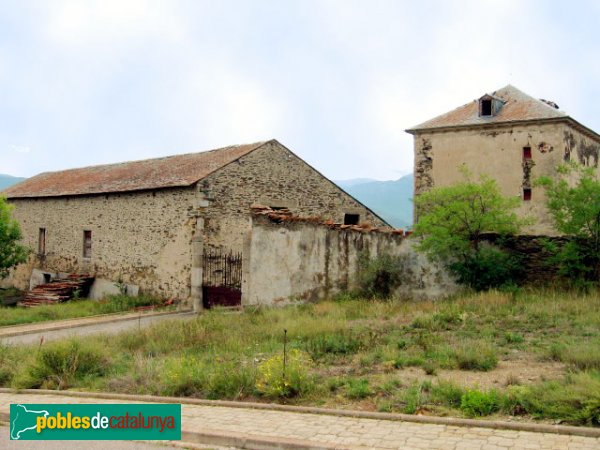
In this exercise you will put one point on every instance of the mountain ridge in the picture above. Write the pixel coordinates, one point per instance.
(391, 199)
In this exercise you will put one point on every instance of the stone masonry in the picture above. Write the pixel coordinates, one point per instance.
(149, 230)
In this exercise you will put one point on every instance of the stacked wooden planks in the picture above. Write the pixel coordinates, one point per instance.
(58, 290)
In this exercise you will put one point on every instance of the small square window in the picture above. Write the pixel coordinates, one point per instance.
(87, 244)
(526, 153)
(351, 219)
(527, 194)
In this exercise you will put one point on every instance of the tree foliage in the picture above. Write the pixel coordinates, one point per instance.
(11, 251)
(452, 222)
(573, 200)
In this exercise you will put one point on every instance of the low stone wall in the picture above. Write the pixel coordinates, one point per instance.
(303, 259)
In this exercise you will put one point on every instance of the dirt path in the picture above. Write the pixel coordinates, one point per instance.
(83, 330)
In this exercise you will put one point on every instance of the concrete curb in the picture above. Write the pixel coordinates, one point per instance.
(76, 322)
(449, 421)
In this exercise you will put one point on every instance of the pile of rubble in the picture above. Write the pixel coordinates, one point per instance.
(281, 215)
(58, 290)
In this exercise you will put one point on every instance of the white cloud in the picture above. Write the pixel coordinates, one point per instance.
(20, 148)
(84, 22)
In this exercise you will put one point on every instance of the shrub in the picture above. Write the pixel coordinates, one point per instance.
(488, 268)
(233, 381)
(575, 400)
(61, 364)
(413, 399)
(446, 393)
(379, 276)
(272, 382)
(476, 403)
(358, 388)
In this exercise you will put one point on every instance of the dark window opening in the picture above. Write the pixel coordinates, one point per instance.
(87, 244)
(42, 242)
(486, 107)
(278, 208)
(526, 152)
(527, 194)
(351, 219)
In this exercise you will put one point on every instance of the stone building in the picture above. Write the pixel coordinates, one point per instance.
(149, 223)
(509, 136)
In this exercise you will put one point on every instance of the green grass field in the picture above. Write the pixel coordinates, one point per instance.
(72, 309)
(534, 355)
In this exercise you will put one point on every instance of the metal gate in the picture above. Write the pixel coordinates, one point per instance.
(221, 278)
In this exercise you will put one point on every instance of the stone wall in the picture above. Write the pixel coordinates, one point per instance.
(142, 237)
(271, 176)
(310, 261)
(498, 152)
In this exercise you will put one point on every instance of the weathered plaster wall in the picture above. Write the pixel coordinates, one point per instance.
(143, 238)
(308, 261)
(498, 152)
(272, 176)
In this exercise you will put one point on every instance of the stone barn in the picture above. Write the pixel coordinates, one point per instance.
(156, 224)
(510, 136)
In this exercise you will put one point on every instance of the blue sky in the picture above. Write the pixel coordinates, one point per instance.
(93, 82)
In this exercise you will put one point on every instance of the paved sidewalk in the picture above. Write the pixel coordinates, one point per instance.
(259, 428)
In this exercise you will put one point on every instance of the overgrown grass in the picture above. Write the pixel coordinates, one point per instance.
(73, 308)
(386, 355)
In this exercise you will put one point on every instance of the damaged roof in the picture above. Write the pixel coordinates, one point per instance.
(517, 107)
(166, 172)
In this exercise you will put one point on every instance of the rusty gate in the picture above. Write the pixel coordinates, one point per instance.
(221, 278)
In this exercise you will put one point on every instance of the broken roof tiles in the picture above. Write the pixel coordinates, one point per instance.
(285, 216)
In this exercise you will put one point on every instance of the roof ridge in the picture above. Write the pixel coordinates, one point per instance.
(518, 107)
(154, 173)
(158, 158)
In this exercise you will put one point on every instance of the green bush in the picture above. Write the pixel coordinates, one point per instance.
(575, 400)
(272, 382)
(358, 388)
(486, 269)
(60, 364)
(378, 277)
(446, 393)
(477, 403)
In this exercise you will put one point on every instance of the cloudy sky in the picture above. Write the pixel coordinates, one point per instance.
(92, 82)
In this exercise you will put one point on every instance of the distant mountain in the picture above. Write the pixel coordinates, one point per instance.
(353, 182)
(8, 180)
(392, 200)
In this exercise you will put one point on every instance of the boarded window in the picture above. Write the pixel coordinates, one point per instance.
(351, 219)
(87, 244)
(526, 153)
(42, 241)
(527, 194)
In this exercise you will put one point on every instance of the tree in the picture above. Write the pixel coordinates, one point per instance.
(452, 223)
(11, 251)
(573, 200)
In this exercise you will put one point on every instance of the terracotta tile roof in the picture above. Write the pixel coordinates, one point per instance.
(517, 107)
(170, 171)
